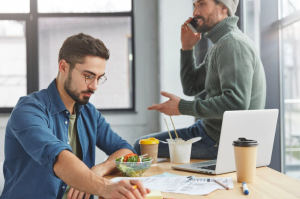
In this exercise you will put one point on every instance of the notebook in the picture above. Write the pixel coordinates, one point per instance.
(259, 125)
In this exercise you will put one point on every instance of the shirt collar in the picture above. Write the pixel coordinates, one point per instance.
(223, 27)
(56, 103)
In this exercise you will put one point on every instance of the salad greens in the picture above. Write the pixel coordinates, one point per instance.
(132, 165)
(133, 159)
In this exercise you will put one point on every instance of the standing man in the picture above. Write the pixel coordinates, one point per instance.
(231, 74)
(51, 135)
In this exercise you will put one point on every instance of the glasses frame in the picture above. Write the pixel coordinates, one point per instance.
(88, 77)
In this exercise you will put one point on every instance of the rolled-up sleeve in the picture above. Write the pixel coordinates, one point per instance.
(30, 124)
(107, 140)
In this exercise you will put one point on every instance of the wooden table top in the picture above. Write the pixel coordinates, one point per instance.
(269, 184)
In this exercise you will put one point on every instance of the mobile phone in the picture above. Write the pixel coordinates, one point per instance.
(193, 24)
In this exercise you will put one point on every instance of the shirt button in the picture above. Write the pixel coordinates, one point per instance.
(67, 112)
(66, 122)
(63, 187)
(68, 142)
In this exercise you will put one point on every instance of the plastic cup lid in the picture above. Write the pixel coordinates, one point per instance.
(243, 142)
(149, 141)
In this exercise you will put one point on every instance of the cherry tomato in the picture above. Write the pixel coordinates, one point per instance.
(129, 155)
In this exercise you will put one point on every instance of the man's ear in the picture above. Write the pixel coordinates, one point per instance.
(63, 67)
(224, 9)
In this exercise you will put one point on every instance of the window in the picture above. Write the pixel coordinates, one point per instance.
(33, 32)
(288, 7)
(14, 6)
(290, 72)
(87, 6)
(13, 62)
(251, 12)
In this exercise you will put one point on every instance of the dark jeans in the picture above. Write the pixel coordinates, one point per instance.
(206, 148)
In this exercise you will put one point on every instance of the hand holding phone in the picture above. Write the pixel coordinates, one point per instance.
(189, 38)
(193, 25)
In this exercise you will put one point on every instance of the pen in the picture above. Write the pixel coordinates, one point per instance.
(134, 187)
(245, 188)
(221, 184)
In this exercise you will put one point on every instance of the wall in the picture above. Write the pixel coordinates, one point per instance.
(171, 17)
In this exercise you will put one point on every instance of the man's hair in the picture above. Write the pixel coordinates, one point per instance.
(77, 47)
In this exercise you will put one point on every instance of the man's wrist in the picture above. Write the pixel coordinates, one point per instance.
(186, 48)
(101, 185)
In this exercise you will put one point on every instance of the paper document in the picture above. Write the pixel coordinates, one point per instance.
(184, 185)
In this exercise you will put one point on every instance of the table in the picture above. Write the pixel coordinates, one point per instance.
(269, 184)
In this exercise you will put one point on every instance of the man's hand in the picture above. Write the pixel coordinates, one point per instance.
(124, 189)
(188, 38)
(169, 107)
(76, 194)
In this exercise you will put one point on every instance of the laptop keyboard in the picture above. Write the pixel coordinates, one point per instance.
(210, 167)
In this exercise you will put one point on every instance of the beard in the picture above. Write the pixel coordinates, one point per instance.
(207, 24)
(74, 94)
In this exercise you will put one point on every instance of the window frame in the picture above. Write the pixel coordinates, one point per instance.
(278, 25)
(32, 55)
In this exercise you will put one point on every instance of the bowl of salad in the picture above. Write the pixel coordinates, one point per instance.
(132, 165)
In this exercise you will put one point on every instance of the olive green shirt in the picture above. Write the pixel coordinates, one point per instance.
(74, 142)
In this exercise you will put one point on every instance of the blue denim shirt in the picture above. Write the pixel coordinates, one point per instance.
(37, 131)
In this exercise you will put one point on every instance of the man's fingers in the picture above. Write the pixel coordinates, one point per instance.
(75, 194)
(148, 190)
(140, 186)
(188, 21)
(166, 94)
(137, 193)
(155, 107)
(126, 192)
(80, 196)
(70, 192)
(87, 196)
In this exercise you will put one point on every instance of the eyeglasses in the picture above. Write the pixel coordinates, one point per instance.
(91, 78)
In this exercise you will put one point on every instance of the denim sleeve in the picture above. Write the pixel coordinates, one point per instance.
(107, 140)
(30, 123)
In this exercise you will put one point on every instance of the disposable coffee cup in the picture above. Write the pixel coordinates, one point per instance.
(150, 146)
(245, 152)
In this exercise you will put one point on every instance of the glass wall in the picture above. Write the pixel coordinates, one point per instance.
(13, 62)
(290, 71)
(251, 14)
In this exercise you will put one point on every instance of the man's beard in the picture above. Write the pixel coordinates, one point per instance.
(207, 24)
(73, 94)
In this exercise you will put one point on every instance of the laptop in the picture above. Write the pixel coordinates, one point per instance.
(259, 125)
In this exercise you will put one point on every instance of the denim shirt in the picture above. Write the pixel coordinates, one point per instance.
(37, 131)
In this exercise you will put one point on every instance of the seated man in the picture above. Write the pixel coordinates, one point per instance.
(51, 135)
(231, 74)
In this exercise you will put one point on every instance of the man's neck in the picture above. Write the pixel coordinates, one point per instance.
(67, 100)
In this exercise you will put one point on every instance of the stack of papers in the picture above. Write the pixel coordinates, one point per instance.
(181, 184)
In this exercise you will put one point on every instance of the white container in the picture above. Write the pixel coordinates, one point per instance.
(180, 150)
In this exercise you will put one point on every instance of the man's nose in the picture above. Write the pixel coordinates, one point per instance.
(196, 12)
(94, 85)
